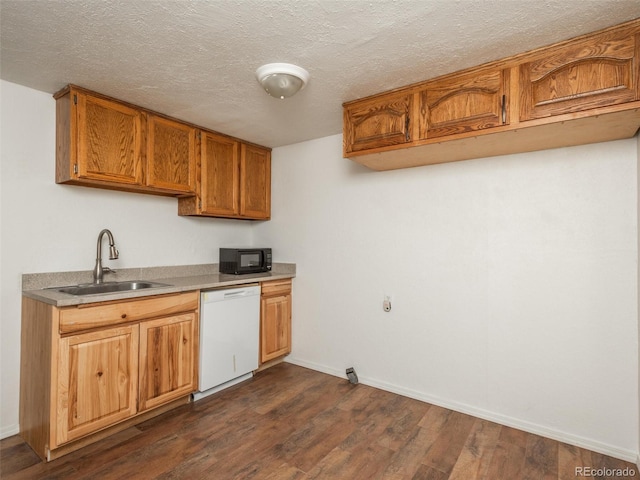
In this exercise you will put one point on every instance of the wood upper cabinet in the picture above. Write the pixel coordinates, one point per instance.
(464, 103)
(102, 142)
(599, 71)
(255, 182)
(107, 138)
(235, 180)
(97, 381)
(580, 91)
(168, 359)
(378, 122)
(220, 175)
(275, 320)
(171, 155)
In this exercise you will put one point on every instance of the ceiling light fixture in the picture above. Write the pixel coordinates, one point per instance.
(282, 80)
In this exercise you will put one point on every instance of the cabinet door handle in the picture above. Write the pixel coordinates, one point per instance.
(407, 136)
(504, 109)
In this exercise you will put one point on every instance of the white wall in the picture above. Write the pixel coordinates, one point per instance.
(514, 282)
(47, 227)
(514, 279)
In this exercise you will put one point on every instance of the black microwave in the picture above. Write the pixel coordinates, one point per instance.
(245, 260)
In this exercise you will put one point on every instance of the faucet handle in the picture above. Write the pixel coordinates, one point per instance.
(108, 270)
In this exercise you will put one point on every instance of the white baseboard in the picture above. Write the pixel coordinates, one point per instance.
(578, 441)
(9, 431)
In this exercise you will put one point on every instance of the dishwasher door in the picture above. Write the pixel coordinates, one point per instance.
(229, 337)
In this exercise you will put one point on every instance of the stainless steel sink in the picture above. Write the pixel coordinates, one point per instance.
(109, 287)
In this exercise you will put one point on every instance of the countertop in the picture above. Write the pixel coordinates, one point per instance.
(41, 286)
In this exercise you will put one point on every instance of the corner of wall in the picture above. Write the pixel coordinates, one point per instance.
(638, 284)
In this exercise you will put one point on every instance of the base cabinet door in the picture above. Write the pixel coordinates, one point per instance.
(97, 381)
(168, 362)
(275, 320)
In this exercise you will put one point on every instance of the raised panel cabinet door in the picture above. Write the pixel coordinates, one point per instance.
(97, 381)
(595, 72)
(171, 155)
(255, 182)
(109, 141)
(168, 357)
(220, 184)
(377, 123)
(275, 323)
(465, 103)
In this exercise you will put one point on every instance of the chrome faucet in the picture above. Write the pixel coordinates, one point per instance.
(99, 270)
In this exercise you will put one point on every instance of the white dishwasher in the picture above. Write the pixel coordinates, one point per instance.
(229, 337)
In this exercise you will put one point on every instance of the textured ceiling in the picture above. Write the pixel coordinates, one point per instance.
(196, 60)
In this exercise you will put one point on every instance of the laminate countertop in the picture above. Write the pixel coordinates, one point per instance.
(43, 286)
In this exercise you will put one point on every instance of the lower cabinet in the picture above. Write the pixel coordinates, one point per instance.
(97, 381)
(168, 359)
(275, 320)
(87, 368)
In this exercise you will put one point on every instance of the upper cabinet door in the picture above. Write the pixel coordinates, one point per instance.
(109, 141)
(381, 122)
(255, 182)
(599, 71)
(219, 167)
(171, 155)
(464, 103)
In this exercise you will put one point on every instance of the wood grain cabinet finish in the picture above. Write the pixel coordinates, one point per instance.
(275, 320)
(235, 180)
(220, 175)
(255, 182)
(104, 141)
(97, 381)
(466, 103)
(583, 90)
(87, 369)
(168, 358)
(600, 71)
(171, 155)
(379, 122)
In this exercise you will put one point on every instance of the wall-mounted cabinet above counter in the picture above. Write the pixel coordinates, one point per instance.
(105, 143)
(580, 91)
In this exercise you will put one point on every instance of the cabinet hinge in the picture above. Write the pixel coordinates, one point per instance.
(199, 137)
(200, 204)
(75, 168)
(75, 99)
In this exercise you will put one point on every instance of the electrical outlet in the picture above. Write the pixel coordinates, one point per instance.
(386, 304)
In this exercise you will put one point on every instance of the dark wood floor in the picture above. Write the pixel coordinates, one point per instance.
(289, 422)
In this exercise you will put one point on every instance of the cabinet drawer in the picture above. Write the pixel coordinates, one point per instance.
(83, 317)
(276, 287)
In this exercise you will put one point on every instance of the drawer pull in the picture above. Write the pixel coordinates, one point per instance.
(124, 315)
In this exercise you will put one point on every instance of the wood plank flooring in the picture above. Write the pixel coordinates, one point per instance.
(291, 423)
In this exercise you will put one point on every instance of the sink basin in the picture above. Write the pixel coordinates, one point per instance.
(109, 287)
